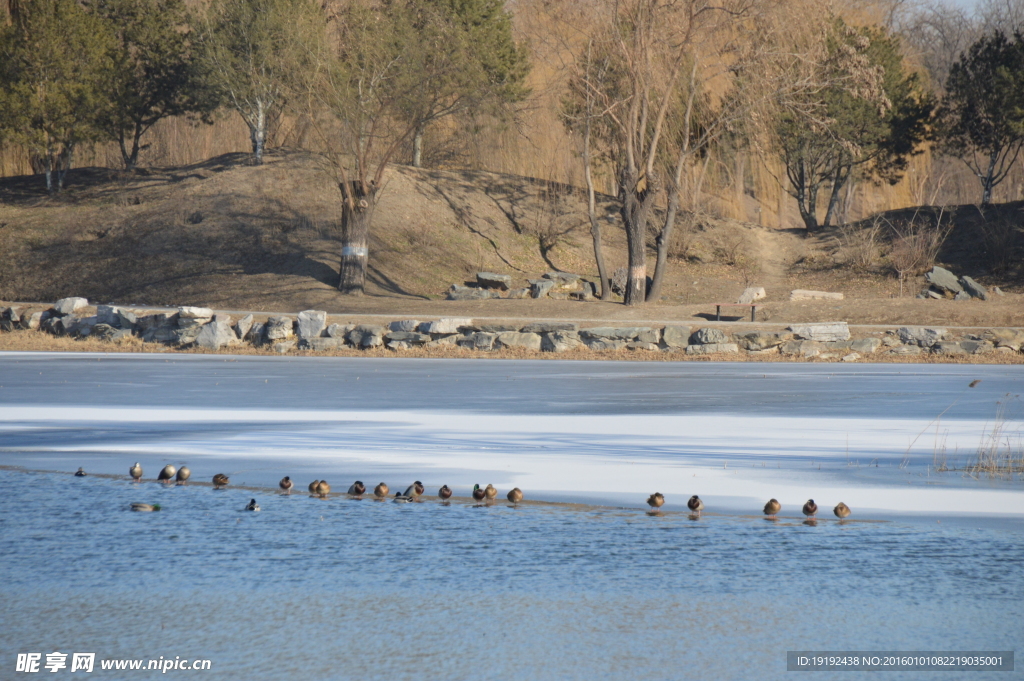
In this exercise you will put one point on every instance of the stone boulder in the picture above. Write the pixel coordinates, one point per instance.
(457, 292)
(712, 348)
(339, 331)
(366, 336)
(404, 325)
(490, 280)
(126, 319)
(519, 294)
(559, 341)
(539, 288)
(977, 347)
(410, 337)
(973, 288)
(826, 331)
(643, 334)
(1005, 338)
(215, 335)
(550, 327)
(109, 333)
(283, 347)
(311, 323)
(515, 339)
(256, 333)
(278, 328)
(801, 294)
(604, 344)
(478, 340)
(905, 350)
(948, 348)
(943, 280)
(921, 336)
(751, 294)
(676, 336)
(322, 344)
(709, 336)
(32, 321)
(446, 325)
(865, 346)
(963, 295)
(852, 357)
(761, 340)
(186, 335)
(66, 306)
(107, 314)
(801, 348)
(242, 326)
(563, 280)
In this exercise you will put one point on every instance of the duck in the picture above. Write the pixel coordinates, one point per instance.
(515, 496)
(312, 486)
(357, 489)
(167, 473)
(184, 473)
(491, 492)
(220, 480)
(323, 489)
(136, 472)
(478, 493)
(445, 493)
(252, 505)
(286, 484)
(842, 511)
(381, 491)
(772, 507)
(403, 498)
(656, 500)
(414, 490)
(80, 473)
(810, 508)
(145, 508)
(695, 504)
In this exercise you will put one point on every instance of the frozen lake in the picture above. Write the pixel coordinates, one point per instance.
(340, 588)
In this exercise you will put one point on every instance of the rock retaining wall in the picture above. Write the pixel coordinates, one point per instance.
(312, 330)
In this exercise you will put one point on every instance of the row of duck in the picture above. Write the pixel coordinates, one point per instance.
(413, 492)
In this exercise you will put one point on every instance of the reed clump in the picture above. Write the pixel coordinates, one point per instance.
(1001, 452)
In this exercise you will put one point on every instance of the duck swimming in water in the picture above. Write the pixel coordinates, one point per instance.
(136, 472)
(403, 498)
(145, 508)
(286, 484)
(695, 505)
(252, 505)
(167, 473)
(414, 490)
(381, 491)
(656, 500)
(80, 473)
(810, 508)
(445, 493)
(771, 508)
(515, 495)
(220, 480)
(184, 473)
(842, 511)
(357, 489)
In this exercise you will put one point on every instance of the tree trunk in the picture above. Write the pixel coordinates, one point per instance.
(663, 240)
(595, 223)
(636, 207)
(837, 185)
(64, 165)
(258, 133)
(417, 148)
(130, 159)
(986, 182)
(356, 216)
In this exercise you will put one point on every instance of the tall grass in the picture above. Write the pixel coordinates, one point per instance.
(1001, 452)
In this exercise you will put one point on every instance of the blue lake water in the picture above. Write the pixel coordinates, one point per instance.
(340, 588)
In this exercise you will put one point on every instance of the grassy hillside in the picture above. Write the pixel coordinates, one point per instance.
(233, 236)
